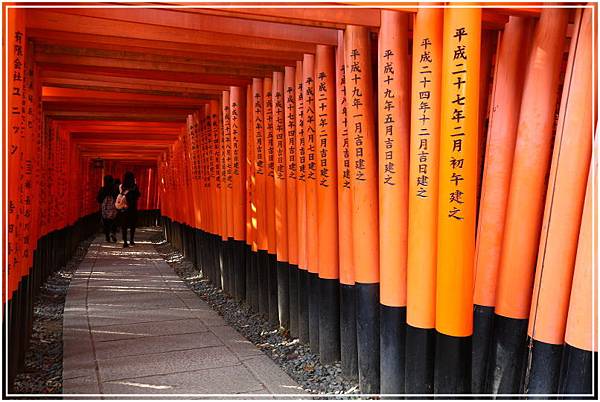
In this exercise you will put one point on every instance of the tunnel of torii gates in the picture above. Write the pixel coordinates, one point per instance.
(408, 190)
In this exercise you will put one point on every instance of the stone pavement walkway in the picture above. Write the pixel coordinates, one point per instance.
(131, 326)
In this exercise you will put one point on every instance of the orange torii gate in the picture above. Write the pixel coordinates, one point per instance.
(355, 189)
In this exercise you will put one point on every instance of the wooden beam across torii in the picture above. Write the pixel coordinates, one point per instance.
(232, 75)
(63, 78)
(130, 140)
(50, 20)
(113, 113)
(188, 19)
(124, 72)
(339, 14)
(148, 127)
(56, 42)
(46, 36)
(82, 96)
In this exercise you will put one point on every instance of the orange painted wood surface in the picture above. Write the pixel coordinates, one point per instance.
(393, 149)
(566, 191)
(458, 172)
(291, 145)
(363, 160)
(346, 262)
(280, 167)
(310, 150)
(326, 162)
(530, 166)
(423, 171)
(501, 138)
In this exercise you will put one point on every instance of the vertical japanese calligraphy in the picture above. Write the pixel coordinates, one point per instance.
(326, 162)
(365, 220)
(259, 164)
(238, 164)
(329, 310)
(301, 168)
(348, 352)
(270, 164)
(291, 161)
(228, 158)
(303, 327)
(270, 261)
(312, 228)
(423, 177)
(310, 145)
(281, 224)
(281, 221)
(423, 199)
(456, 225)
(394, 130)
(16, 125)
(457, 196)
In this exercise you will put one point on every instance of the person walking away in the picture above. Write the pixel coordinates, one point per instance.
(127, 204)
(106, 198)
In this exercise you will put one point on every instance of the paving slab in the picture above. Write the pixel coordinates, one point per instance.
(279, 382)
(224, 380)
(105, 315)
(131, 326)
(147, 329)
(155, 344)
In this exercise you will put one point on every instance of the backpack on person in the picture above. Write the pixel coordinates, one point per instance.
(121, 203)
(108, 208)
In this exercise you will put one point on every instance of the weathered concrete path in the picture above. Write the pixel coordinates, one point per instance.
(131, 326)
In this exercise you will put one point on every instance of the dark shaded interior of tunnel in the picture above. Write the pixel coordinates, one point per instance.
(52, 252)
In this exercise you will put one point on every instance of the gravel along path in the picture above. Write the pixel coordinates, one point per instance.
(292, 356)
(42, 372)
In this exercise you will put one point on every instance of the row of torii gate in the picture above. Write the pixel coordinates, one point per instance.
(406, 189)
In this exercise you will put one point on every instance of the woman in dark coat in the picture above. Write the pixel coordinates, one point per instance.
(129, 215)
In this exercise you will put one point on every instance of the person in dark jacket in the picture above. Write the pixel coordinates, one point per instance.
(106, 198)
(129, 215)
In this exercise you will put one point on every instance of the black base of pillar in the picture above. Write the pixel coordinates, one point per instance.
(263, 283)
(293, 300)
(231, 266)
(198, 256)
(53, 251)
(367, 336)
(303, 322)
(483, 326)
(228, 266)
(452, 372)
(223, 262)
(283, 293)
(273, 287)
(420, 359)
(252, 287)
(507, 355)
(577, 372)
(349, 351)
(210, 258)
(392, 348)
(220, 274)
(242, 270)
(313, 311)
(543, 369)
(249, 289)
(329, 320)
